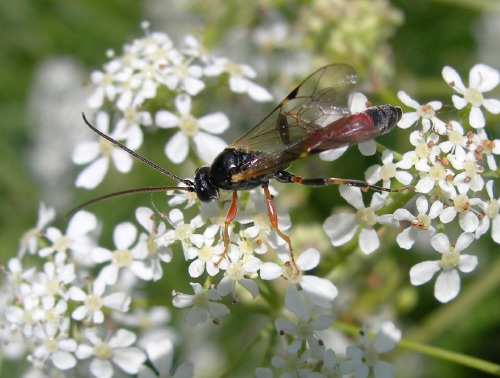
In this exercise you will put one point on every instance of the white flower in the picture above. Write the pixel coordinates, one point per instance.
(419, 224)
(53, 344)
(202, 305)
(206, 257)
(98, 153)
(470, 178)
(29, 240)
(341, 228)
(491, 210)
(147, 246)
(200, 130)
(435, 176)
(181, 75)
(105, 84)
(456, 144)
(487, 148)
(387, 171)
(467, 218)
(239, 75)
(319, 291)
(482, 78)
(91, 309)
(52, 281)
(303, 328)
(425, 150)
(116, 350)
(183, 232)
(447, 284)
(361, 359)
(124, 235)
(427, 112)
(76, 238)
(236, 268)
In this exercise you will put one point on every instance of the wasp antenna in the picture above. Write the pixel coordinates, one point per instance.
(136, 155)
(125, 192)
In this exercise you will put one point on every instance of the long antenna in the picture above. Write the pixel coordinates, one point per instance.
(136, 155)
(129, 191)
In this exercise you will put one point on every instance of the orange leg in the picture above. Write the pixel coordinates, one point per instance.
(231, 213)
(273, 217)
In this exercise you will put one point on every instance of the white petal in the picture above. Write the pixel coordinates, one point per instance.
(101, 368)
(81, 223)
(93, 175)
(129, 359)
(293, 302)
(403, 214)
(177, 148)
(408, 119)
(352, 195)
(492, 105)
(383, 369)
(238, 84)
(85, 152)
(448, 214)
(63, 360)
(476, 117)
(124, 235)
(193, 86)
(407, 100)
(368, 147)
(208, 146)
(319, 291)
(440, 243)
(166, 119)
(332, 154)
(183, 103)
(144, 216)
(122, 160)
(118, 301)
(250, 286)
(368, 240)
(309, 259)
(160, 352)
(122, 338)
(458, 102)
(423, 272)
(447, 286)
(270, 271)
(215, 123)
(468, 221)
(387, 338)
(483, 78)
(258, 93)
(467, 263)
(340, 228)
(451, 76)
(406, 238)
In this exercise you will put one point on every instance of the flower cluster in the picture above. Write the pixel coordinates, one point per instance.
(448, 166)
(76, 306)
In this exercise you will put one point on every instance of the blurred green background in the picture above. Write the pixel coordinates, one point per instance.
(431, 34)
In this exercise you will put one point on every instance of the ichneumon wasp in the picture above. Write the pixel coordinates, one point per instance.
(314, 117)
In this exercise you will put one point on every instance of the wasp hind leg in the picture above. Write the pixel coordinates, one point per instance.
(290, 178)
(273, 218)
(231, 213)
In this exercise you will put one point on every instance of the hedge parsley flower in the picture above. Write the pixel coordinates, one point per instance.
(147, 248)
(93, 302)
(303, 328)
(361, 359)
(200, 130)
(29, 240)
(342, 227)
(97, 155)
(114, 350)
(319, 291)
(447, 284)
(420, 224)
(202, 305)
(491, 210)
(427, 112)
(482, 78)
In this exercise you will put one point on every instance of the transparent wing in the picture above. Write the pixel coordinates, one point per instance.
(320, 99)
